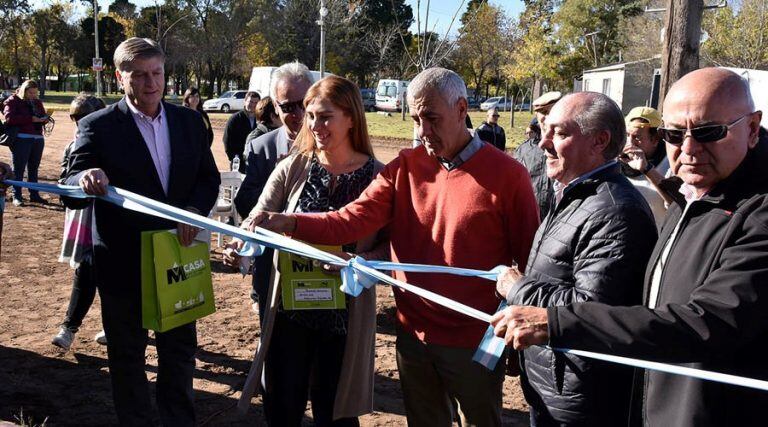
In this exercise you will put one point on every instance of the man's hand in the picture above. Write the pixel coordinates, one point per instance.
(336, 268)
(277, 222)
(507, 279)
(185, 232)
(230, 256)
(521, 326)
(94, 182)
(634, 157)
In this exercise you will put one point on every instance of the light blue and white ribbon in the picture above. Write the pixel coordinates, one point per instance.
(361, 274)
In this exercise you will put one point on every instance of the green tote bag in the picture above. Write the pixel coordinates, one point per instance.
(176, 286)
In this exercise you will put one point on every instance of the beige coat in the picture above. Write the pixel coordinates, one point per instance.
(354, 396)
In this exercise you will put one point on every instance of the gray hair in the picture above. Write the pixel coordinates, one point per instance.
(601, 113)
(295, 71)
(136, 48)
(445, 82)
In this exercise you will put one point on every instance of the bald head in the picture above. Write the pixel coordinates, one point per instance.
(712, 86)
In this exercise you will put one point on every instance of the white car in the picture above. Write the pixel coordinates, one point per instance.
(232, 100)
(499, 102)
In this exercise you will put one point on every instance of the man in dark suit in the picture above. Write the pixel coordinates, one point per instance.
(158, 150)
(238, 127)
(290, 83)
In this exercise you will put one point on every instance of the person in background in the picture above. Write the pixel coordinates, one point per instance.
(533, 131)
(290, 83)
(238, 127)
(443, 205)
(327, 354)
(77, 247)
(192, 100)
(267, 120)
(533, 158)
(490, 131)
(25, 111)
(644, 159)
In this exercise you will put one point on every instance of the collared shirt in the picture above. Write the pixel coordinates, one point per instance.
(561, 188)
(690, 197)
(157, 137)
(474, 145)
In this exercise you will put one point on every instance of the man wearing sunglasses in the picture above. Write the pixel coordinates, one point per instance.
(705, 297)
(490, 131)
(290, 83)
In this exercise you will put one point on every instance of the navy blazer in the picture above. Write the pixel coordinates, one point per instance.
(262, 154)
(109, 139)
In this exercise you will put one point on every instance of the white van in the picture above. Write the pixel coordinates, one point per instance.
(261, 78)
(390, 94)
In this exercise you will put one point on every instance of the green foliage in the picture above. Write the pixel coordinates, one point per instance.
(738, 35)
(483, 41)
(123, 8)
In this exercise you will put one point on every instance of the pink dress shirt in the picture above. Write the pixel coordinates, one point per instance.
(157, 137)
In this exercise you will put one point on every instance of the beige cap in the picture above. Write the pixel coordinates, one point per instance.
(545, 102)
(648, 114)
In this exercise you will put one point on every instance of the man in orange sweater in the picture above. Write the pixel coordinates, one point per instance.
(454, 201)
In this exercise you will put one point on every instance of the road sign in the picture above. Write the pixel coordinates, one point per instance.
(98, 64)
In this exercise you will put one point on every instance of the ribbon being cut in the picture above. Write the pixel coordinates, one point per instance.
(358, 274)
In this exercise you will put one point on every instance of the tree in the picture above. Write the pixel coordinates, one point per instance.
(738, 35)
(472, 7)
(51, 33)
(681, 42)
(482, 43)
(123, 8)
(111, 34)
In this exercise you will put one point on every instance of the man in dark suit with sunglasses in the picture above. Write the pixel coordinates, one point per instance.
(290, 83)
(705, 295)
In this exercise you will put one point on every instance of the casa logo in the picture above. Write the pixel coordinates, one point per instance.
(179, 273)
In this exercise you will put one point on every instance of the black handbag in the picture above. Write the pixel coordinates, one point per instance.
(8, 135)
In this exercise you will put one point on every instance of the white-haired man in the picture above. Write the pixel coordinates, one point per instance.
(290, 83)
(452, 201)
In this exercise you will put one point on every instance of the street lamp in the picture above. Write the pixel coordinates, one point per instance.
(321, 23)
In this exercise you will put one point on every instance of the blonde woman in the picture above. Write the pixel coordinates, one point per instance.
(326, 354)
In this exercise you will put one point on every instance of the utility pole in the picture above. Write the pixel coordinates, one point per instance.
(96, 37)
(682, 34)
(321, 23)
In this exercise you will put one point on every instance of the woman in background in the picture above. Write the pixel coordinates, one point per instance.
(192, 100)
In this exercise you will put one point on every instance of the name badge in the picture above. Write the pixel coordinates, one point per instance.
(307, 286)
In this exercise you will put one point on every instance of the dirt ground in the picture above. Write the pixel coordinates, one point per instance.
(39, 383)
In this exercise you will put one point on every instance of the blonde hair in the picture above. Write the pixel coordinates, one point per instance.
(28, 84)
(345, 95)
(136, 48)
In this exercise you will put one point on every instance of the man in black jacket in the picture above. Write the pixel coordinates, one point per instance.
(592, 246)
(158, 150)
(238, 127)
(705, 300)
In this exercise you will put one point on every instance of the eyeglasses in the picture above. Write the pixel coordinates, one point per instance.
(291, 107)
(494, 115)
(703, 134)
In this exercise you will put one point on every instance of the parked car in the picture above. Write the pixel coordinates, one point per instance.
(498, 102)
(232, 100)
(525, 106)
(369, 99)
(473, 103)
(390, 94)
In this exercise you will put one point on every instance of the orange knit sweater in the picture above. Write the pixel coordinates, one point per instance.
(479, 215)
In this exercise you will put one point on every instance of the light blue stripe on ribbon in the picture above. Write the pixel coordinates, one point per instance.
(363, 268)
(491, 347)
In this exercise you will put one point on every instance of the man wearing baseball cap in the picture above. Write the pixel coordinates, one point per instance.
(644, 158)
(532, 157)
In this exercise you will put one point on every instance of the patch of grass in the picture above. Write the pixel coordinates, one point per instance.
(394, 127)
(59, 101)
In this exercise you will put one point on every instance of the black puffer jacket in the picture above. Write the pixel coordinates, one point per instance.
(593, 246)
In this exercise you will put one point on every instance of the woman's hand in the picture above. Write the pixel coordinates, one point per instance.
(336, 268)
(277, 222)
(230, 255)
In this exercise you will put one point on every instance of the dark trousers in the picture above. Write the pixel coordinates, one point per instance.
(83, 293)
(302, 361)
(262, 268)
(126, 347)
(27, 153)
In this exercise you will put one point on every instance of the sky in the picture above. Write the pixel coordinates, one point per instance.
(440, 11)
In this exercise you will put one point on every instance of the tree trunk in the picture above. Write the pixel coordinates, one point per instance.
(682, 34)
(43, 72)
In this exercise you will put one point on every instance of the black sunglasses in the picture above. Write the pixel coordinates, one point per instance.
(291, 107)
(703, 134)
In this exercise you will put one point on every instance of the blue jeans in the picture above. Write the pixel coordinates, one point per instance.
(27, 153)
